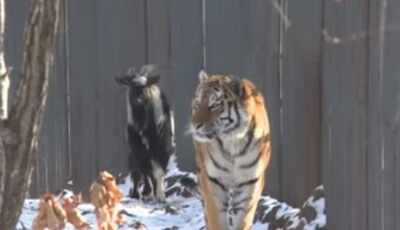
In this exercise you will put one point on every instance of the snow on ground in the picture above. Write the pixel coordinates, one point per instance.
(183, 210)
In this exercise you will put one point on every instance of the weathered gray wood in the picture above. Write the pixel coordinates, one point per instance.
(345, 107)
(359, 101)
(242, 39)
(384, 88)
(186, 62)
(159, 35)
(97, 104)
(390, 105)
(229, 35)
(17, 13)
(375, 141)
(130, 51)
(266, 63)
(120, 44)
(301, 100)
(83, 48)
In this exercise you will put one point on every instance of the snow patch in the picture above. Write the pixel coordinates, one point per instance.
(183, 209)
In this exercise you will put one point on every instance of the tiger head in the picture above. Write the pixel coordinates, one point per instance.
(222, 107)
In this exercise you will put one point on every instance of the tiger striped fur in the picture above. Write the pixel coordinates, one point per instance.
(231, 135)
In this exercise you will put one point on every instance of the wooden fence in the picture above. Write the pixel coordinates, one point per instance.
(361, 113)
(328, 69)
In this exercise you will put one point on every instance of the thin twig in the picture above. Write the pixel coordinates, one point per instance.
(281, 13)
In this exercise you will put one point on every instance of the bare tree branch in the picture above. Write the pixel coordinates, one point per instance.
(4, 73)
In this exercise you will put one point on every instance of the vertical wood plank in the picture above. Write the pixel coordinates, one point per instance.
(175, 44)
(390, 113)
(266, 58)
(229, 32)
(242, 39)
(301, 110)
(16, 15)
(345, 109)
(83, 91)
(186, 62)
(159, 50)
(375, 140)
(97, 104)
(53, 159)
(121, 44)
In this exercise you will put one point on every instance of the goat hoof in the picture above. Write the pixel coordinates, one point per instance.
(148, 199)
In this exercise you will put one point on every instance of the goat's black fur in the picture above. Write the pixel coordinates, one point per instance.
(150, 131)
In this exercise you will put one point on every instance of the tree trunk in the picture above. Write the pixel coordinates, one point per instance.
(19, 133)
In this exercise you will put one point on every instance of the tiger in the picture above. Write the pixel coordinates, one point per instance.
(231, 135)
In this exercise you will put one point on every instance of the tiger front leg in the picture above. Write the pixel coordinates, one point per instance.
(214, 199)
(213, 192)
(243, 206)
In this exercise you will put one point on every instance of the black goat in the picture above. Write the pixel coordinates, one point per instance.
(150, 131)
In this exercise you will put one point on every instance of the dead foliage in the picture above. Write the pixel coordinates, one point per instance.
(70, 204)
(51, 214)
(105, 196)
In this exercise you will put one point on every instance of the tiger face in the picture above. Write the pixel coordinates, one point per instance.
(218, 109)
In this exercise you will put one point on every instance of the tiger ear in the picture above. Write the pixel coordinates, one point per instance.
(203, 76)
(247, 89)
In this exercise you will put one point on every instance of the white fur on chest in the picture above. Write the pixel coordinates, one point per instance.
(155, 94)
